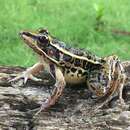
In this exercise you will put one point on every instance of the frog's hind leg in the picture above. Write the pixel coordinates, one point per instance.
(29, 73)
(121, 86)
(57, 91)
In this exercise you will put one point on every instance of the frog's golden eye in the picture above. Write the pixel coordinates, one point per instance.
(43, 39)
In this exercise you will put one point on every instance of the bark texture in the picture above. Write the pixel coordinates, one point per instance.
(18, 106)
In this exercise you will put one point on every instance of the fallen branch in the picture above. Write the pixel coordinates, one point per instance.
(70, 112)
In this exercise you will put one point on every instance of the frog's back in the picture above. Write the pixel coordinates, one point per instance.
(82, 53)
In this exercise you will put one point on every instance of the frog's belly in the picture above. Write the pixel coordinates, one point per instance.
(74, 79)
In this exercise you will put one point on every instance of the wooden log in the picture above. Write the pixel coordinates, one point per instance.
(71, 112)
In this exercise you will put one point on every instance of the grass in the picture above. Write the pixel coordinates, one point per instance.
(69, 20)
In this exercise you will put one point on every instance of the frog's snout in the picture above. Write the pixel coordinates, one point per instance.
(24, 33)
(20, 33)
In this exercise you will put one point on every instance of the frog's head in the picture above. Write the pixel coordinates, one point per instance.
(37, 41)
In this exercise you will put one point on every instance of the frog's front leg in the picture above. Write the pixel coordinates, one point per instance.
(29, 73)
(57, 91)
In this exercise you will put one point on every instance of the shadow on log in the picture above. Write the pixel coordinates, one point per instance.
(71, 112)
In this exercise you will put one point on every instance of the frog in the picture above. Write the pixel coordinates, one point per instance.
(104, 76)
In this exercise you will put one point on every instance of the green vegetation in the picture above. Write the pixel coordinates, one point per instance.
(83, 23)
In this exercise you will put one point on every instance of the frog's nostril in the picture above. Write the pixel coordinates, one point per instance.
(20, 33)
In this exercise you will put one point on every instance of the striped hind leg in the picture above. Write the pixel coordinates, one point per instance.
(123, 78)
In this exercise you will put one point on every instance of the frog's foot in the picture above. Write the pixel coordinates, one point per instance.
(44, 106)
(121, 101)
(121, 105)
(25, 76)
(28, 74)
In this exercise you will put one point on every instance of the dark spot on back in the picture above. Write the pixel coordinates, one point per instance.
(57, 55)
(85, 64)
(62, 63)
(80, 53)
(67, 67)
(68, 71)
(88, 66)
(67, 58)
(85, 73)
(73, 70)
(79, 71)
(103, 61)
(77, 62)
(95, 59)
(89, 57)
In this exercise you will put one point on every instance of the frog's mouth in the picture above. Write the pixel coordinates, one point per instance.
(31, 40)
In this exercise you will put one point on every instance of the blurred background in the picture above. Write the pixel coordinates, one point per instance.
(100, 26)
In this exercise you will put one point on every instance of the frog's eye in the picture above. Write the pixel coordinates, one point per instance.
(43, 39)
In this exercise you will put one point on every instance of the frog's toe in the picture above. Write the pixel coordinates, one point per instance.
(34, 78)
(16, 78)
(25, 77)
(43, 107)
